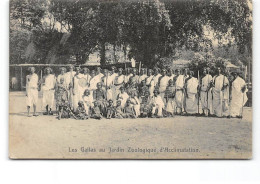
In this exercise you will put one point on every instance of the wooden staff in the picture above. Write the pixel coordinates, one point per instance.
(199, 93)
(208, 95)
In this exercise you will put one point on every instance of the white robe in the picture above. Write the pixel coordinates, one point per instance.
(163, 83)
(156, 78)
(108, 82)
(68, 81)
(48, 91)
(220, 98)
(88, 103)
(206, 97)
(32, 90)
(122, 97)
(239, 98)
(191, 100)
(150, 83)
(179, 96)
(136, 104)
(141, 78)
(157, 104)
(119, 81)
(77, 90)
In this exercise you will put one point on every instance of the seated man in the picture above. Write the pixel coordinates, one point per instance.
(122, 96)
(145, 109)
(129, 111)
(95, 111)
(88, 101)
(157, 104)
(110, 110)
(81, 111)
(119, 110)
(135, 103)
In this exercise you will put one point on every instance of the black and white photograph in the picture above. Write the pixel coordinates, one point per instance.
(122, 79)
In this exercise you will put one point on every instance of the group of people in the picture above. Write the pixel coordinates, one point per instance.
(82, 93)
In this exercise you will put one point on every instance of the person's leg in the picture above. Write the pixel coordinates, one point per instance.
(34, 110)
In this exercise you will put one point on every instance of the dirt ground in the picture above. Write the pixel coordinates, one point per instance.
(45, 137)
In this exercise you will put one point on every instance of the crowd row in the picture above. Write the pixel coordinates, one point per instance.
(153, 93)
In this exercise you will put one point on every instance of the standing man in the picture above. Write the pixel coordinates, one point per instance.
(179, 95)
(162, 84)
(62, 75)
(107, 83)
(191, 93)
(99, 74)
(156, 76)
(93, 82)
(133, 83)
(238, 96)
(128, 75)
(119, 81)
(77, 88)
(69, 82)
(48, 85)
(220, 94)
(206, 93)
(142, 75)
(113, 75)
(171, 74)
(31, 91)
(150, 82)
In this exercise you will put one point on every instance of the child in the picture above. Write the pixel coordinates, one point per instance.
(145, 105)
(119, 110)
(136, 103)
(88, 101)
(169, 98)
(81, 111)
(157, 104)
(96, 114)
(122, 96)
(142, 89)
(110, 109)
(62, 101)
(129, 110)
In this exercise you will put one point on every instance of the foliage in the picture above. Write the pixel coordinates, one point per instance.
(152, 29)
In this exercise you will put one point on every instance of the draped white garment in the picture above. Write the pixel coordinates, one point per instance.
(239, 98)
(32, 89)
(191, 100)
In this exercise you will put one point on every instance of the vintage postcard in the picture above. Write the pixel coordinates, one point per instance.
(122, 79)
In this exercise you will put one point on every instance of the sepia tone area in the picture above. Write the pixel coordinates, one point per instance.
(49, 138)
(141, 79)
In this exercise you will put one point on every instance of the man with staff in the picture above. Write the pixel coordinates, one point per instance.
(119, 81)
(48, 85)
(179, 95)
(220, 93)
(107, 83)
(192, 94)
(69, 81)
(31, 91)
(142, 75)
(150, 82)
(205, 92)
